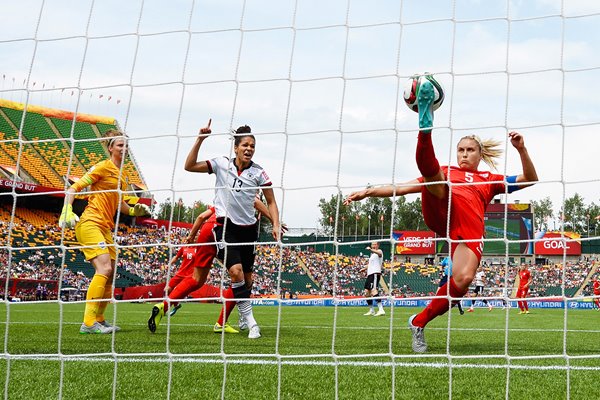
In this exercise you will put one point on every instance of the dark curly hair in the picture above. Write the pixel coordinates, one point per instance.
(242, 132)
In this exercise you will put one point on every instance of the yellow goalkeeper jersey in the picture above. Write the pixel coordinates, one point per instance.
(102, 206)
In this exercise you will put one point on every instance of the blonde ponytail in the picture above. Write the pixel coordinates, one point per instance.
(490, 149)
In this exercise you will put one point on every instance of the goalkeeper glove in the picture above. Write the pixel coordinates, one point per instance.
(139, 210)
(67, 218)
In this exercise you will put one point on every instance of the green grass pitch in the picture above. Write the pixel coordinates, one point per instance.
(311, 353)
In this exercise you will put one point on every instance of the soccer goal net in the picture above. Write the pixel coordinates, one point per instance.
(321, 84)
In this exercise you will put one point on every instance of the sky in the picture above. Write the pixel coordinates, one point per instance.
(320, 83)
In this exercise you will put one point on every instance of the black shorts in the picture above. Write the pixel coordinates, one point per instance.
(478, 290)
(229, 253)
(372, 281)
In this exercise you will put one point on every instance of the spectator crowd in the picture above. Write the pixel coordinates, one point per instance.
(145, 252)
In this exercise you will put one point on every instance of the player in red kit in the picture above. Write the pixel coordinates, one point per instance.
(597, 293)
(194, 269)
(458, 195)
(524, 283)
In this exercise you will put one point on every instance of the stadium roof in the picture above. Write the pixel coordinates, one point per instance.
(56, 146)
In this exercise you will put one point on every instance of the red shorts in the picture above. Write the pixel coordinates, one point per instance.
(177, 278)
(522, 292)
(206, 253)
(464, 223)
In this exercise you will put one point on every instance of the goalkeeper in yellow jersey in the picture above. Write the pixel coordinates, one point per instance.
(95, 228)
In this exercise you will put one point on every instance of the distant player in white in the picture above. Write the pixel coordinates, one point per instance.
(373, 276)
(505, 295)
(479, 284)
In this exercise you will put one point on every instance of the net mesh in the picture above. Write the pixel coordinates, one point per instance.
(322, 86)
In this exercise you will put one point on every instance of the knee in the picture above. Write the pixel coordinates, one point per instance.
(463, 279)
(105, 269)
(236, 273)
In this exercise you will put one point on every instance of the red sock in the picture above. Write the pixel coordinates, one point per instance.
(187, 286)
(438, 306)
(525, 306)
(229, 306)
(426, 162)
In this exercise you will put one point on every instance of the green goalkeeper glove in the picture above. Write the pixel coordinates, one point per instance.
(67, 218)
(139, 210)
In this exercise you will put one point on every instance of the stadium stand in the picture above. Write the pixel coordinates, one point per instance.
(46, 153)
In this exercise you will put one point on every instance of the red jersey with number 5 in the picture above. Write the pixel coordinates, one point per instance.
(470, 194)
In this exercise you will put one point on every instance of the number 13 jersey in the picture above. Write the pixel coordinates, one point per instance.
(235, 190)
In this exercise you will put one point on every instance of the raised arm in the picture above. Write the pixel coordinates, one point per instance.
(405, 188)
(191, 162)
(529, 175)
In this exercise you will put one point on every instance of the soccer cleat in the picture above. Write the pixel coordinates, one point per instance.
(242, 324)
(157, 313)
(107, 325)
(418, 336)
(425, 98)
(490, 307)
(174, 310)
(370, 312)
(254, 332)
(227, 328)
(462, 312)
(97, 328)
(526, 312)
(380, 312)
(471, 309)
(521, 312)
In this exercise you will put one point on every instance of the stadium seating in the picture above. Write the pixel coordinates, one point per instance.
(302, 272)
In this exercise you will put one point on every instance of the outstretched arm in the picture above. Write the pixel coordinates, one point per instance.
(379, 252)
(529, 175)
(191, 162)
(413, 186)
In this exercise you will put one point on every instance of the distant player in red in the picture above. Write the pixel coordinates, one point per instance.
(462, 203)
(524, 283)
(597, 293)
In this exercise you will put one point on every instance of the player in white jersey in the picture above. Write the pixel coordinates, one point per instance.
(373, 276)
(505, 295)
(479, 284)
(238, 181)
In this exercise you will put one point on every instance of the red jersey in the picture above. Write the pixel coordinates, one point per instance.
(524, 277)
(596, 287)
(479, 195)
(205, 255)
(186, 254)
(470, 197)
